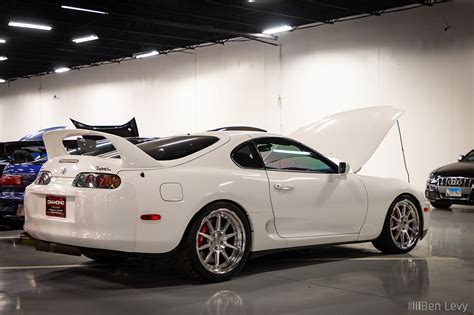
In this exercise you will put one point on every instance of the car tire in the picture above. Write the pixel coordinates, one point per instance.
(106, 258)
(402, 227)
(441, 204)
(216, 244)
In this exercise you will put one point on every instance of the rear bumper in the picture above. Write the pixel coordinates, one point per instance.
(104, 220)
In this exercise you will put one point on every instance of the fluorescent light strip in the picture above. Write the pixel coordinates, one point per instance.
(61, 70)
(3, 58)
(29, 25)
(2, 41)
(85, 39)
(146, 54)
(278, 29)
(82, 9)
(2, 81)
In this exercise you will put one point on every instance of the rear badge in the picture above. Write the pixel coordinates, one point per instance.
(63, 170)
(102, 169)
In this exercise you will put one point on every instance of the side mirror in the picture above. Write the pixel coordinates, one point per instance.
(460, 158)
(343, 168)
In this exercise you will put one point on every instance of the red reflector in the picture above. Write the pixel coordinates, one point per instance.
(10, 180)
(426, 209)
(150, 217)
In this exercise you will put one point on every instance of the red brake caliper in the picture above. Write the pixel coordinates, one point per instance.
(204, 229)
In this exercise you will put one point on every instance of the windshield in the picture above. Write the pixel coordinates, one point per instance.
(469, 157)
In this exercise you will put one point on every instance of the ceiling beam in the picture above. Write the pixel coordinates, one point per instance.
(295, 17)
(339, 7)
(201, 28)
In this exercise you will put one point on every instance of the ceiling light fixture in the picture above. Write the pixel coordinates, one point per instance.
(2, 81)
(85, 39)
(3, 58)
(278, 29)
(29, 25)
(82, 9)
(61, 70)
(146, 54)
(2, 41)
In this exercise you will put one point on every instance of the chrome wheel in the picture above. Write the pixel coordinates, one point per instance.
(220, 241)
(404, 224)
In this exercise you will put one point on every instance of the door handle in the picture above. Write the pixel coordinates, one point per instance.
(283, 187)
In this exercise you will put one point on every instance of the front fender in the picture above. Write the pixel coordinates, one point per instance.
(381, 193)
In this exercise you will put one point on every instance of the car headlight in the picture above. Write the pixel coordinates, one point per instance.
(43, 178)
(432, 179)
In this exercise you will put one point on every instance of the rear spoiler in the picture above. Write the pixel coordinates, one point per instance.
(130, 154)
(129, 129)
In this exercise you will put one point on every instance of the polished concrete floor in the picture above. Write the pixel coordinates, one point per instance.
(336, 280)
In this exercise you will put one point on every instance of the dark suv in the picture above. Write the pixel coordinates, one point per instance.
(452, 183)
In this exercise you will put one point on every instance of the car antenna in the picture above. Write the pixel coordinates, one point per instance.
(403, 150)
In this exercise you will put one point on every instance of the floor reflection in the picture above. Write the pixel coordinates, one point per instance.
(224, 302)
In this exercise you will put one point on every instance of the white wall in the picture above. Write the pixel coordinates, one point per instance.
(403, 59)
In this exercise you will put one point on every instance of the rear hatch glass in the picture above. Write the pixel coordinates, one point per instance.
(176, 147)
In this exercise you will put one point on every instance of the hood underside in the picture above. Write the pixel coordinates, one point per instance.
(352, 136)
(129, 129)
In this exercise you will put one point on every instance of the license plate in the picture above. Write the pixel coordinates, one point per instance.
(20, 211)
(453, 192)
(56, 206)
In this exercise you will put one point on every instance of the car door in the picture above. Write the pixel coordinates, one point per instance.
(309, 197)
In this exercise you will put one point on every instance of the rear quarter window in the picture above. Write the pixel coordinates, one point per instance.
(176, 147)
(246, 156)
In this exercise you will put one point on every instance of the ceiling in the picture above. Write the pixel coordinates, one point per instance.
(137, 26)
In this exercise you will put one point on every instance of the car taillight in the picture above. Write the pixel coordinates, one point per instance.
(43, 178)
(10, 180)
(96, 180)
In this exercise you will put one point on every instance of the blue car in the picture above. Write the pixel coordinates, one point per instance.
(20, 162)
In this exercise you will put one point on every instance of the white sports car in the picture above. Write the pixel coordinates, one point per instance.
(213, 198)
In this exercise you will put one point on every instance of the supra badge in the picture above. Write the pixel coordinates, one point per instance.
(103, 169)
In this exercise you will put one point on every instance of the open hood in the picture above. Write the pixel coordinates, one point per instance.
(129, 129)
(352, 136)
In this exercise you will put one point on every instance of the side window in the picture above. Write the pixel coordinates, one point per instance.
(246, 156)
(287, 155)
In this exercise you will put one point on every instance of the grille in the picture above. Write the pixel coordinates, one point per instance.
(456, 181)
